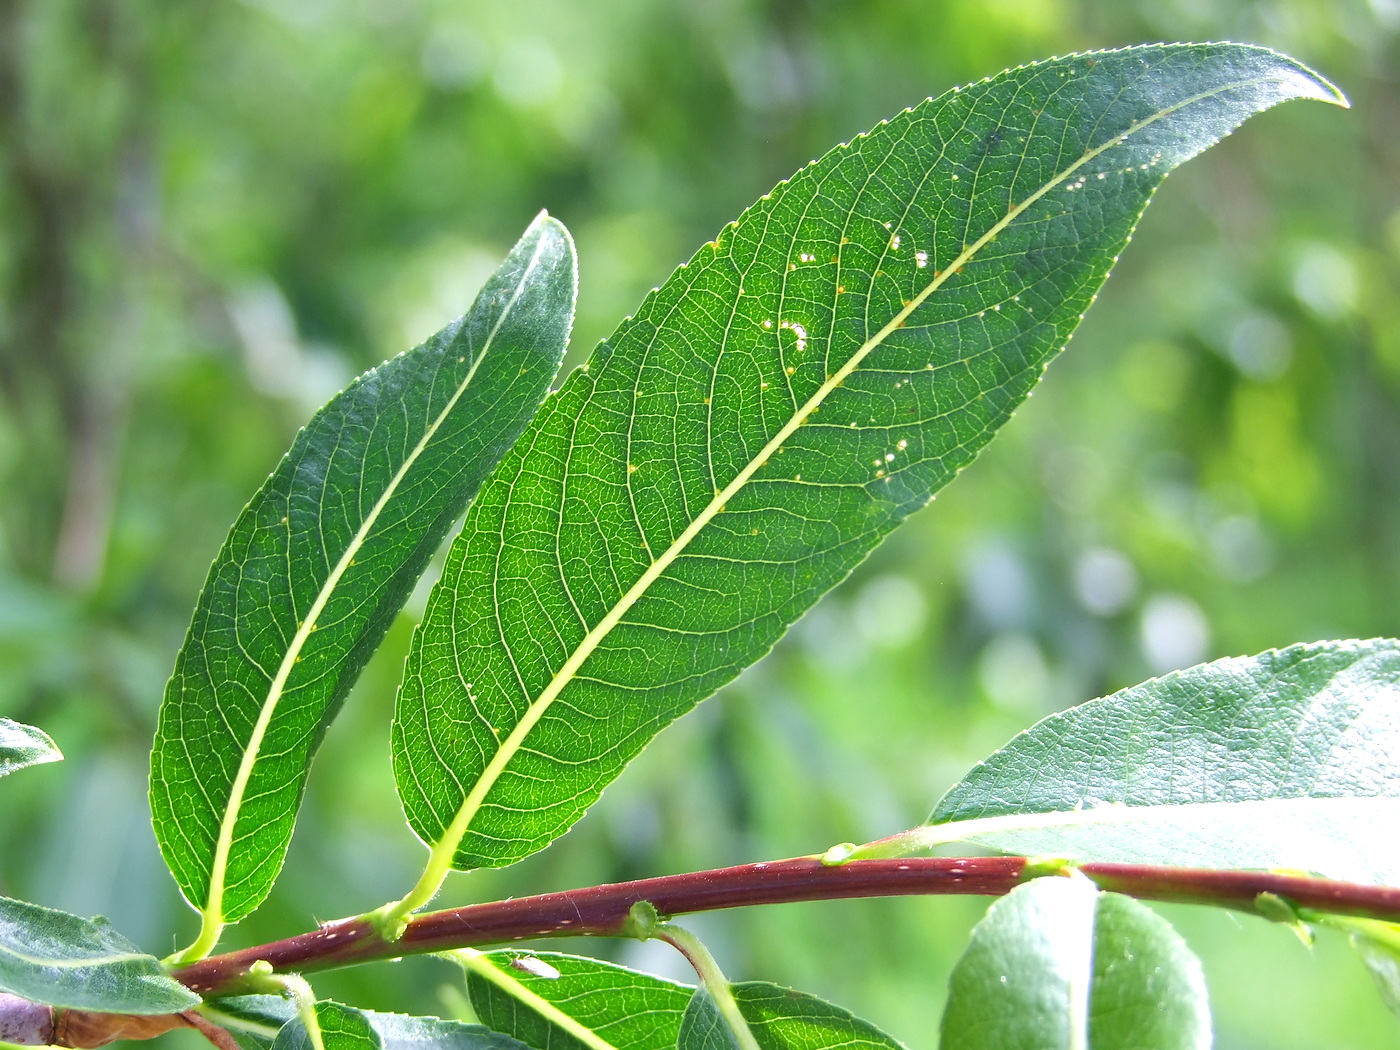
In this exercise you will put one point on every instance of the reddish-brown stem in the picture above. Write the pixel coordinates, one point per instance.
(603, 910)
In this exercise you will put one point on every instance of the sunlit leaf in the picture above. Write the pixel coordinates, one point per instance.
(1056, 965)
(22, 745)
(342, 1028)
(780, 404)
(322, 559)
(780, 1019)
(626, 1009)
(1289, 759)
(52, 957)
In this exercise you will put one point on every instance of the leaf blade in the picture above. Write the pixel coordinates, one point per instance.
(1283, 760)
(321, 560)
(1056, 964)
(53, 957)
(780, 1019)
(22, 745)
(692, 503)
(628, 1009)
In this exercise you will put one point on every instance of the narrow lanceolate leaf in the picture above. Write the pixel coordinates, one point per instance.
(780, 1019)
(258, 1021)
(623, 1008)
(52, 957)
(1056, 965)
(323, 557)
(780, 404)
(1289, 759)
(22, 745)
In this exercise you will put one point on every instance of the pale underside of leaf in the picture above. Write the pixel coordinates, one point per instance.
(22, 745)
(571, 668)
(1343, 838)
(1288, 759)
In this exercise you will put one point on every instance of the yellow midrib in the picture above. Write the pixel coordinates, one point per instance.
(446, 846)
(213, 910)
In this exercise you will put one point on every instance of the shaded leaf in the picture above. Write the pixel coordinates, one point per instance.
(22, 745)
(321, 560)
(52, 957)
(780, 404)
(1056, 965)
(780, 1019)
(625, 1008)
(1289, 759)
(260, 1021)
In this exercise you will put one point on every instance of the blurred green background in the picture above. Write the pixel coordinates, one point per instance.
(213, 214)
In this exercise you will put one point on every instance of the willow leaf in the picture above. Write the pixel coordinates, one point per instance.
(1056, 965)
(1289, 759)
(780, 404)
(625, 1009)
(22, 745)
(780, 1019)
(257, 1022)
(53, 957)
(320, 561)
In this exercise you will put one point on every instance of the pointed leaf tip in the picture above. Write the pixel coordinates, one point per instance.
(770, 413)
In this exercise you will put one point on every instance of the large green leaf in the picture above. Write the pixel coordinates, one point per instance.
(780, 1019)
(320, 561)
(22, 745)
(1056, 965)
(779, 405)
(52, 957)
(626, 1009)
(1289, 759)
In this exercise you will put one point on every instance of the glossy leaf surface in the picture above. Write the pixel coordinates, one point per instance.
(1056, 965)
(780, 1019)
(625, 1008)
(779, 405)
(22, 745)
(53, 957)
(322, 559)
(1289, 759)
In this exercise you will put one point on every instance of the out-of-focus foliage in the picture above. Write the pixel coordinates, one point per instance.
(213, 215)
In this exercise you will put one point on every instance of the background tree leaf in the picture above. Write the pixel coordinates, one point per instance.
(22, 745)
(320, 561)
(626, 1008)
(1289, 759)
(1056, 964)
(779, 405)
(780, 1019)
(52, 957)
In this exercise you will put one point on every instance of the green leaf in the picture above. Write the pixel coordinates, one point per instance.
(1055, 964)
(321, 560)
(342, 1028)
(625, 1008)
(780, 1019)
(22, 745)
(260, 1022)
(780, 404)
(52, 957)
(1289, 759)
